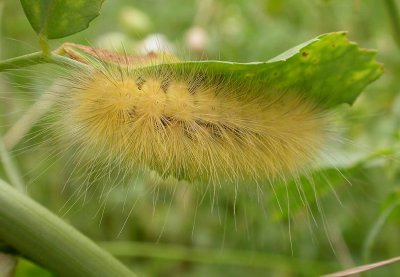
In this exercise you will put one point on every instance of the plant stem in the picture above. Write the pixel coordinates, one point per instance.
(23, 61)
(32, 115)
(60, 60)
(394, 18)
(47, 240)
(10, 168)
(44, 45)
(376, 228)
(38, 58)
(216, 256)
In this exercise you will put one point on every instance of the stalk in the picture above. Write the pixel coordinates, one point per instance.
(47, 240)
(38, 58)
(391, 8)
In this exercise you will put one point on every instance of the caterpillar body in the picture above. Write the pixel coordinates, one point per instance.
(198, 126)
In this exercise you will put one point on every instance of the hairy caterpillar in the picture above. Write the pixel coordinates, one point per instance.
(198, 126)
(196, 123)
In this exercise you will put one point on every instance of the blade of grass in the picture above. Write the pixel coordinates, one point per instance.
(217, 257)
(376, 227)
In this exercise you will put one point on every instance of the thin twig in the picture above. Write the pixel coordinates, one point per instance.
(363, 268)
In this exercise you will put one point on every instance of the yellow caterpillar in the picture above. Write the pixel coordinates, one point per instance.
(198, 126)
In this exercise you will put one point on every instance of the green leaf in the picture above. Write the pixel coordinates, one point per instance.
(304, 193)
(328, 69)
(60, 18)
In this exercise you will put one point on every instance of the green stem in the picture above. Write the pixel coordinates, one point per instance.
(60, 60)
(47, 240)
(252, 259)
(38, 58)
(23, 61)
(32, 115)
(44, 45)
(376, 228)
(10, 168)
(394, 19)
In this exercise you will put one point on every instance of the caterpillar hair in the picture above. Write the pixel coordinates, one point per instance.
(196, 125)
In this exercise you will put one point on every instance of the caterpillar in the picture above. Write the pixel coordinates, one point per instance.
(194, 125)
(133, 114)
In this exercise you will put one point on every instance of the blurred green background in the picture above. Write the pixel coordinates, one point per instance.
(170, 229)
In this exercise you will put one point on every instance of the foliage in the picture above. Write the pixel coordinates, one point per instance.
(57, 19)
(345, 220)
